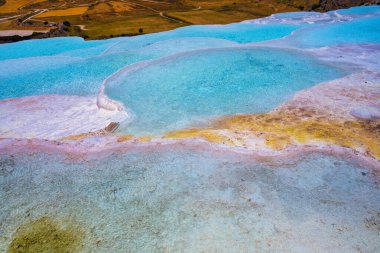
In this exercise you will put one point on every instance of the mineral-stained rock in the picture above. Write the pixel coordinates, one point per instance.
(46, 236)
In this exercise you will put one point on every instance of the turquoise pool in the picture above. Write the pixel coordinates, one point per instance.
(178, 92)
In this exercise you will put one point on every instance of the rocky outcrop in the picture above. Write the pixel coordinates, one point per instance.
(327, 5)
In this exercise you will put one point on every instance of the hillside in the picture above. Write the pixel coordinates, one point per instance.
(108, 18)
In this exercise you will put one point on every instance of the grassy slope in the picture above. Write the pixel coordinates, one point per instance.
(120, 17)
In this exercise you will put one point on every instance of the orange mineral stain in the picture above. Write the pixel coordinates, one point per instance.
(281, 129)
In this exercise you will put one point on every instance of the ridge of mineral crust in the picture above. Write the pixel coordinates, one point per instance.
(54, 117)
(321, 115)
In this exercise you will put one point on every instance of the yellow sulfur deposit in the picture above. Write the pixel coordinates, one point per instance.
(283, 128)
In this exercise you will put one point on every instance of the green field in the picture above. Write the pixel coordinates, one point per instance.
(108, 18)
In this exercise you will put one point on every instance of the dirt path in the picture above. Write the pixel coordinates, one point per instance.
(38, 12)
(82, 27)
(161, 13)
(2, 20)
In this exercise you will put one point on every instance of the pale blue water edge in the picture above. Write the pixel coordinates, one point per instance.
(241, 33)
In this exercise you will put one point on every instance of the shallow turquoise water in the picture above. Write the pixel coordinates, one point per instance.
(75, 46)
(59, 74)
(239, 33)
(65, 74)
(45, 47)
(183, 199)
(172, 93)
(192, 88)
(75, 67)
(357, 31)
(361, 10)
